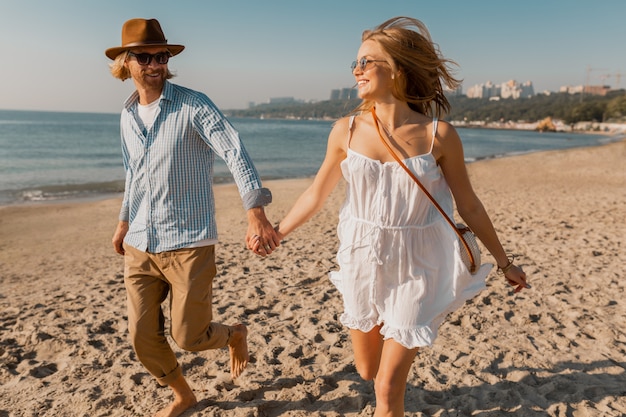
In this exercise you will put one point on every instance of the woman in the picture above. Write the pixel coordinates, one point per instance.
(400, 269)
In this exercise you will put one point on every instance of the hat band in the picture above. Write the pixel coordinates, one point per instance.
(163, 42)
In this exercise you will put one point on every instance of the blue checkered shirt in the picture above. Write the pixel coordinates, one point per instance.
(168, 198)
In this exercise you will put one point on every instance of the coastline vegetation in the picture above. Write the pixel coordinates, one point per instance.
(568, 108)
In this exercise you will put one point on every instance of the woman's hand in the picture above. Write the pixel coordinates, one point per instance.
(516, 277)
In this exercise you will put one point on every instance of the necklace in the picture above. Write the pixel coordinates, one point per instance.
(388, 133)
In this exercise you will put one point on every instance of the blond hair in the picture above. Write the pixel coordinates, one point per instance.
(120, 71)
(420, 70)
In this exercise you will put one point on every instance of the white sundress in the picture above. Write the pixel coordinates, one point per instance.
(399, 262)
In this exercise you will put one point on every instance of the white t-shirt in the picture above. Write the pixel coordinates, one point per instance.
(147, 113)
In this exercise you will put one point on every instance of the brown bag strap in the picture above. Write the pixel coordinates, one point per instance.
(458, 231)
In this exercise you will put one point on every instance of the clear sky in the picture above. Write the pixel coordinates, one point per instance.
(241, 51)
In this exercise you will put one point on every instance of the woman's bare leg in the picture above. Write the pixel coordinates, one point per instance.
(367, 351)
(390, 382)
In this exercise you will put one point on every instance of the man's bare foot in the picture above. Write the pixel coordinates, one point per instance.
(177, 407)
(184, 399)
(238, 349)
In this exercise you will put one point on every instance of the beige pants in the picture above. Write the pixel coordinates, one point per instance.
(187, 276)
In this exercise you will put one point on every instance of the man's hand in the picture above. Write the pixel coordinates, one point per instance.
(261, 237)
(118, 237)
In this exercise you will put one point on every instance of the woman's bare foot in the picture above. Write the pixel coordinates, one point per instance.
(238, 349)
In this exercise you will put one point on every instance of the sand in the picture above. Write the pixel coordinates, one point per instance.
(556, 350)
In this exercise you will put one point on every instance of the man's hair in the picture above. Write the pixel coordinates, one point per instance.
(120, 71)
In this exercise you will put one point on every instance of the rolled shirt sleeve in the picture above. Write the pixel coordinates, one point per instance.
(260, 197)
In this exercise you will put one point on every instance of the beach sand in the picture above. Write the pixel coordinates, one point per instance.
(556, 350)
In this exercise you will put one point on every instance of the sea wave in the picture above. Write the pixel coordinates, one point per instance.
(49, 193)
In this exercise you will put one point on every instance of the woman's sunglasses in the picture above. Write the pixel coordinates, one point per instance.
(362, 63)
(161, 58)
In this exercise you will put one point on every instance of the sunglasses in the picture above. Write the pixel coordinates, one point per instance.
(161, 58)
(362, 63)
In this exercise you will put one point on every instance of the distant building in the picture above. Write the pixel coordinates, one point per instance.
(514, 90)
(343, 94)
(571, 89)
(510, 89)
(597, 90)
(593, 90)
(486, 90)
(456, 92)
(349, 93)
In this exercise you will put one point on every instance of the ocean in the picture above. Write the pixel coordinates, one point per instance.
(47, 156)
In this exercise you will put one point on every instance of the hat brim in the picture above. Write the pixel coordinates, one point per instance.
(112, 53)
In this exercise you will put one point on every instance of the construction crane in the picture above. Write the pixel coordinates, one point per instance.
(604, 77)
(617, 76)
(588, 75)
(589, 70)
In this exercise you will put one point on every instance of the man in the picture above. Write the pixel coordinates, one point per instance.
(167, 229)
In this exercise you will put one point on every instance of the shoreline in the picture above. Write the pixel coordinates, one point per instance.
(110, 189)
(557, 349)
(583, 128)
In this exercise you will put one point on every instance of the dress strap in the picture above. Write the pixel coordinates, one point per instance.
(432, 143)
(350, 126)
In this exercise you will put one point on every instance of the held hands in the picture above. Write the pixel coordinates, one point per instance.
(261, 237)
(261, 246)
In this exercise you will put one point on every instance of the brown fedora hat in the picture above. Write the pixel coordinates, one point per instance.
(142, 32)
